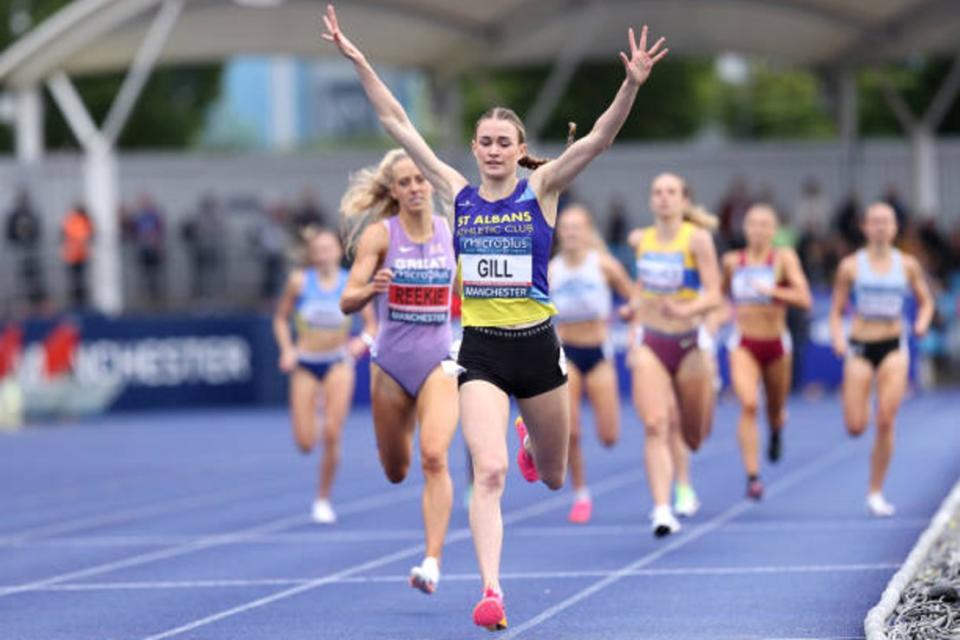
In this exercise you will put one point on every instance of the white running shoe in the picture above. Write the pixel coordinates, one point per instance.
(878, 506)
(323, 512)
(426, 576)
(686, 503)
(663, 522)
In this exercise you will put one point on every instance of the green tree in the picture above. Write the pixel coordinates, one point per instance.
(775, 104)
(672, 104)
(917, 81)
(169, 114)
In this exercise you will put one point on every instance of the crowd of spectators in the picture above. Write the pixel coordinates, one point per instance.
(151, 238)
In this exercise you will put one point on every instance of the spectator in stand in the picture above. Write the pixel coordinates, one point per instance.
(891, 195)
(202, 232)
(812, 211)
(732, 210)
(271, 240)
(308, 213)
(77, 232)
(24, 232)
(148, 237)
(936, 247)
(846, 222)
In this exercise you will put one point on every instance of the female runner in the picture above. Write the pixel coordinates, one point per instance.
(405, 263)
(504, 232)
(581, 276)
(673, 378)
(879, 276)
(761, 280)
(320, 362)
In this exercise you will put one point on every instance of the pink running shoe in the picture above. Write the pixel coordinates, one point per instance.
(755, 489)
(528, 468)
(581, 511)
(489, 612)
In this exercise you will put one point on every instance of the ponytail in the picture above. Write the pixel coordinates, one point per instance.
(698, 215)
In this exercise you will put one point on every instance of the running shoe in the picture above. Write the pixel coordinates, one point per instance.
(528, 468)
(663, 522)
(581, 511)
(489, 612)
(322, 512)
(685, 503)
(754, 488)
(878, 506)
(774, 447)
(425, 576)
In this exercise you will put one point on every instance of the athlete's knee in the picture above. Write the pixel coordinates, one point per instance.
(749, 407)
(395, 471)
(608, 433)
(553, 478)
(395, 467)
(433, 461)
(608, 440)
(656, 426)
(693, 439)
(303, 441)
(856, 426)
(489, 475)
(886, 417)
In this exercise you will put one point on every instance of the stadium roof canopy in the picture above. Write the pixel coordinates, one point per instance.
(98, 35)
(449, 36)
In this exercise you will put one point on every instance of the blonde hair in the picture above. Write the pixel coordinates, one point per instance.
(527, 161)
(368, 198)
(694, 213)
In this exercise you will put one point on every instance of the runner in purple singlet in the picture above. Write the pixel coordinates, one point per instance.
(405, 263)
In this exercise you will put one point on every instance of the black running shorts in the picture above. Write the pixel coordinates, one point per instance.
(522, 362)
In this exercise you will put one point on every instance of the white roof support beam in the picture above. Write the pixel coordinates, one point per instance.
(945, 96)
(73, 109)
(141, 68)
(584, 29)
(28, 124)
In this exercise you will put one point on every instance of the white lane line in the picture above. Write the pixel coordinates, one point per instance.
(865, 523)
(610, 484)
(474, 577)
(565, 531)
(144, 511)
(374, 501)
(681, 541)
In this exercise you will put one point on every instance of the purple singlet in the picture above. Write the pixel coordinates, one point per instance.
(414, 315)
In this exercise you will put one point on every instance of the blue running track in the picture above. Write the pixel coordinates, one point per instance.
(194, 525)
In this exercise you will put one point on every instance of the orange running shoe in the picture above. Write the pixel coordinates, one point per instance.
(489, 612)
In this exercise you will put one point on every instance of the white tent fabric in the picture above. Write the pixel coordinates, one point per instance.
(98, 35)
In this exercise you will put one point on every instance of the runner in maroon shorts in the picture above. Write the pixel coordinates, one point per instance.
(762, 280)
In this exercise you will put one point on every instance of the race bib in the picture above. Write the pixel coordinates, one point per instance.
(496, 266)
(322, 314)
(879, 302)
(419, 296)
(748, 281)
(661, 272)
